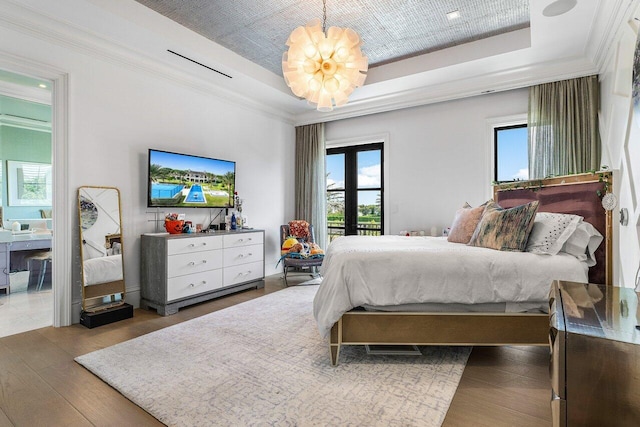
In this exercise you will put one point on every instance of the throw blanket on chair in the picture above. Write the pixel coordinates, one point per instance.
(297, 245)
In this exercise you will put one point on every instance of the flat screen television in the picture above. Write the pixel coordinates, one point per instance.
(186, 181)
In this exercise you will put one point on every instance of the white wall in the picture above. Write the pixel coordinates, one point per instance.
(439, 155)
(117, 111)
(621, 139)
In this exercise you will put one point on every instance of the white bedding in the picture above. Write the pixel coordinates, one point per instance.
(393, 270)
(102, 270)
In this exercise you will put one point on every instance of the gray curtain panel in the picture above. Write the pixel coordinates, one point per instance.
(310, 186)
(563, 127)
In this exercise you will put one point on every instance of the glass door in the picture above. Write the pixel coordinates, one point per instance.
(355, 191)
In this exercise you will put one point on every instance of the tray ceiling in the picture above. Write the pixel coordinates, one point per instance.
(391, 30)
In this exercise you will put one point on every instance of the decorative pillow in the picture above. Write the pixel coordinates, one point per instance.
(465, 222)
(583, 243)
(299, 228)
(550, 231)
(505, 229)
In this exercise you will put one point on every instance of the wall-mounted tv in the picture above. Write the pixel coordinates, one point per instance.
(187, 181)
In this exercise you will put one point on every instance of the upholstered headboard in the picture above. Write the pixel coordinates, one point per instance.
(573, 194)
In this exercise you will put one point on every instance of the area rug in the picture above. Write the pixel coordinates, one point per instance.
(263, 362)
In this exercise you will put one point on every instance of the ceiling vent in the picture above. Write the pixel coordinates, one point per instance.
(199, 63)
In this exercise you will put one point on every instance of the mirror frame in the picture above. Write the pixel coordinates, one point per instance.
(107, 289)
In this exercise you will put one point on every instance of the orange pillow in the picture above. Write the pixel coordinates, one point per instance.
(465, 223)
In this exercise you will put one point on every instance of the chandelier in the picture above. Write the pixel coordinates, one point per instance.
(324, 66)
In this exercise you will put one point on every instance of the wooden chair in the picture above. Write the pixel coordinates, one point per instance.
(300, 264)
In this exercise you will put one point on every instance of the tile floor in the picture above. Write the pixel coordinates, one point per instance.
(22, 311)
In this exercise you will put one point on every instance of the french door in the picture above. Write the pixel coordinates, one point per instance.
(355, 190)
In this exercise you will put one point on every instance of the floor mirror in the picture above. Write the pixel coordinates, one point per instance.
(101, 250)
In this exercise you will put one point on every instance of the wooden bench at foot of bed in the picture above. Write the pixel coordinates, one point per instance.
(383, 328)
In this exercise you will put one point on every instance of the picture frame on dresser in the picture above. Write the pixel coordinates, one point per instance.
(178, 270)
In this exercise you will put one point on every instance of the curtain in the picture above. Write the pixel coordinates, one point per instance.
(310, 185)
(563, 127)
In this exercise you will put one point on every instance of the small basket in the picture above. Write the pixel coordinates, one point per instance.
(173, 227)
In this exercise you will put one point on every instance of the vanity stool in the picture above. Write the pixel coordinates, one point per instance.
(39, 265)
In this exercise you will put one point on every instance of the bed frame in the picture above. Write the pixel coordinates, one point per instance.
(578, 194)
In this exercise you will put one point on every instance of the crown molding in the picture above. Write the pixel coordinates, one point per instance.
(21, 18)
(622, 11)
(516, 78)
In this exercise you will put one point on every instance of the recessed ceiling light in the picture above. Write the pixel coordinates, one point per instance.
(559, 7)
(42, 85)
(453, 15)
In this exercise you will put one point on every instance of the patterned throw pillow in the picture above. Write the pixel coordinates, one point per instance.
(505, 229)
(465, 223)
(550, 231)
(299, 228)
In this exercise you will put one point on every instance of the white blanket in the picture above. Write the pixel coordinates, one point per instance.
(392, 270)
(102, 270)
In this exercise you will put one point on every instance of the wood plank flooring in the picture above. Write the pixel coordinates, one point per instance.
(41, 385)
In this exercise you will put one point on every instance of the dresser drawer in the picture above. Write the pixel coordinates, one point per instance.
(242, 239)
(180, 265)
(193, 244)
(193, 284)
(243, 273)
(243, 255)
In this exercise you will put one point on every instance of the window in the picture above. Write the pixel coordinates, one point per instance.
(511, 153)
(355, 190)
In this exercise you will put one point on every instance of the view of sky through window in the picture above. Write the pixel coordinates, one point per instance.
(369, 174)
(512, 154)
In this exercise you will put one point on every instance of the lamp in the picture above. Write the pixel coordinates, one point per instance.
(324, 68)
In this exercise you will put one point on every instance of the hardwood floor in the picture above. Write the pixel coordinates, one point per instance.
(41, 385)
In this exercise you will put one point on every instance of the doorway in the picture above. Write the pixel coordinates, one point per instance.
(355, 190)
(26, 154)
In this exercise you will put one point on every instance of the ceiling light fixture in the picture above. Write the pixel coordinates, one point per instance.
(559, 7)
(453, 15)
(324, 69)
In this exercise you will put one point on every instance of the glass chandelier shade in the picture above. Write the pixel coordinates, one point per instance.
(324, 68)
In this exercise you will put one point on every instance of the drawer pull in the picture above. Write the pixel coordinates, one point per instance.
(244, 274)
(192, 263)
(193, 285)
(243, 255)
(192, 245)
(204, 243)
(204, 261)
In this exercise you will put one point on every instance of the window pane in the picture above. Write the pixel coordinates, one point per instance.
(512, 156)
(335, 172)
(369, 212)
(335, 214)
(369, 169)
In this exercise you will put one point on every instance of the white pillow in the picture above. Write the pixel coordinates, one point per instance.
(583, 243)
(550, 232)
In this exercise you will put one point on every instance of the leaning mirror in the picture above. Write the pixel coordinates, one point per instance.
(101, 248)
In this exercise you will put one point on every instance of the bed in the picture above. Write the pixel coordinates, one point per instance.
(347, 322)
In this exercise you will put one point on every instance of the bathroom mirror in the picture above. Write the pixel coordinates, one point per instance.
(100, 222)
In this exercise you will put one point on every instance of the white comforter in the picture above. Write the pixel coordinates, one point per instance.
(102, 270)
(393, 270)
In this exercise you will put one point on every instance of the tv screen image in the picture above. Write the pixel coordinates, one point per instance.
(187, 181)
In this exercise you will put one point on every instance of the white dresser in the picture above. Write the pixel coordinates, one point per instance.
(182, 269)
